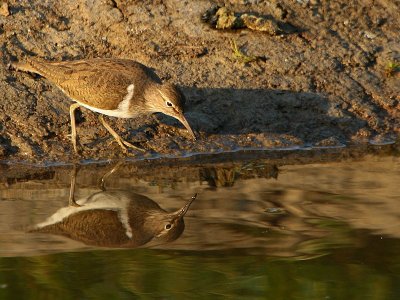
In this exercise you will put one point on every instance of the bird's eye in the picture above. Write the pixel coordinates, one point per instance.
(168, 226)
(168, 103)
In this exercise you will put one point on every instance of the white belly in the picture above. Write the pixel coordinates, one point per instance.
(122, 111)
(119, 113)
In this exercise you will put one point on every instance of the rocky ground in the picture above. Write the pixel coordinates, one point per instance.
(331, 79)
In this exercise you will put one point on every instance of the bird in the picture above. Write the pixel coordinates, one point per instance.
(118, 219)
(114, 87)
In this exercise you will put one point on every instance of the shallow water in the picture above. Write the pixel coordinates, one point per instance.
(258, 229)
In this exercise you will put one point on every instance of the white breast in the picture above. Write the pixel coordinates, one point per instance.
(98, 201)
(122, 110)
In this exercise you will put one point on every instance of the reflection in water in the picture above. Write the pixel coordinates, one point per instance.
(316, 231)
(226, 177)
(117, 218)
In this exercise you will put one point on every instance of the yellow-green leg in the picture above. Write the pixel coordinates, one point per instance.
(119, 139)
(71, 200)
(108, 174)
(73, 127)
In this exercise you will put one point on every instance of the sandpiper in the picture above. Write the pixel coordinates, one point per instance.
(116, 218)
(120, 88)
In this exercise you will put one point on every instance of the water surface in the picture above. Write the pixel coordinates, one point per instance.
(258, 230)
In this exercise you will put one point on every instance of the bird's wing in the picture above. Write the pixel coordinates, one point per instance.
(93, 227)
(99, 83)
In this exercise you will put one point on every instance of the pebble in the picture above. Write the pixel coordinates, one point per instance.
(4, 11)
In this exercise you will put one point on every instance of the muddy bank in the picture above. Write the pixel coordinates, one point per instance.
(217, 169)
(325, 83)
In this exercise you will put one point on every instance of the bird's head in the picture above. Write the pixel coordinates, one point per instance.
(167, 227)
(167, 99)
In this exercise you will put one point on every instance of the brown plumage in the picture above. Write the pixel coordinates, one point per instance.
(116, 219)
(114, 87)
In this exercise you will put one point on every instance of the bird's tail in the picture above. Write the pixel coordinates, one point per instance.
(28, 65)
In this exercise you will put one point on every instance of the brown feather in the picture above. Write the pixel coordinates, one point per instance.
(99, 83)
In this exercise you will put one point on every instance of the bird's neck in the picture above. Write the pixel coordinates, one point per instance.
(151, 95)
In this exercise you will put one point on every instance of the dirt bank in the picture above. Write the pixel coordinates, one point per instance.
(331, 81)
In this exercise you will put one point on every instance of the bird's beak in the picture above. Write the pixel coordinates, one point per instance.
(181, 213)
(185, 123)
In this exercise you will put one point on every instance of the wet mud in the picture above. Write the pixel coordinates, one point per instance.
(216, 169)
(330, 81)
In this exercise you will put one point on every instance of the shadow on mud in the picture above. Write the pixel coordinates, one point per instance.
(310, 117)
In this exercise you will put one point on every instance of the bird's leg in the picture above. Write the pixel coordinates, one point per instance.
(119, 139)
(108, 174)
(73, 127)
(71, 200)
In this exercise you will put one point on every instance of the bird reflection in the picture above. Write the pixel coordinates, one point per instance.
(115, 218)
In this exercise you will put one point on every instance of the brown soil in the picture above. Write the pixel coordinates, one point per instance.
(324, 83)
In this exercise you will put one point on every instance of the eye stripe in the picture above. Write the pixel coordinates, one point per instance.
(167, 101)
(163, 95)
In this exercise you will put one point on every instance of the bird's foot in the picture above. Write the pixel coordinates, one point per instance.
(124, 144)
(73, 203)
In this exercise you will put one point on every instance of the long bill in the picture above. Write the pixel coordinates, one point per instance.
(185, 123)
(181, 213)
